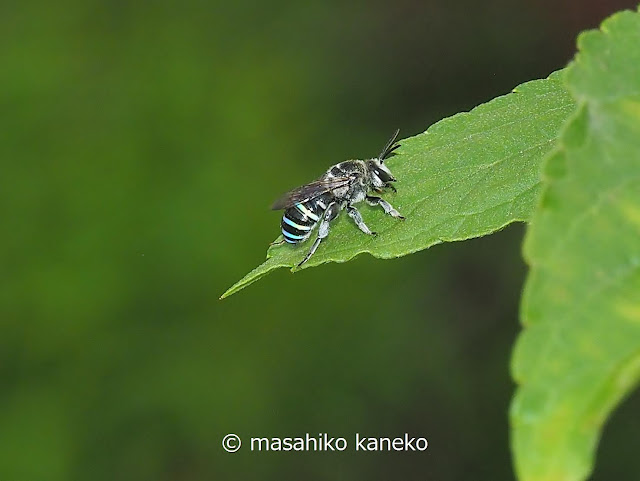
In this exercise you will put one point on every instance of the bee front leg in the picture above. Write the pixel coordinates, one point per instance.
(331, 213)
(355, 215)
(388, 208)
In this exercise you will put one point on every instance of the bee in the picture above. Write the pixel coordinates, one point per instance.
(341, 186)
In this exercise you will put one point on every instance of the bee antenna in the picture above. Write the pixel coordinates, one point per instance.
(389, 148)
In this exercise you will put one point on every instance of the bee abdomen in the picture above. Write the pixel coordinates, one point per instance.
(299, 220)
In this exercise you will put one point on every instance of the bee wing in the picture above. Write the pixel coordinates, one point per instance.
(309, 191)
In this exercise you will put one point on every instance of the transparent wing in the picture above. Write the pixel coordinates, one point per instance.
(309, 191)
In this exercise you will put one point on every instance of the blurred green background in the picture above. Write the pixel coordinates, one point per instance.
(141, 146)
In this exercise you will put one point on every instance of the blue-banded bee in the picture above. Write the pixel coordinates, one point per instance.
(340, 187)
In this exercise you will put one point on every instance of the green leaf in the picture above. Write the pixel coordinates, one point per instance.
(467, 176)
(579, 353)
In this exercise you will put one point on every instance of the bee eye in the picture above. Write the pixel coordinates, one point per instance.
(382, 175)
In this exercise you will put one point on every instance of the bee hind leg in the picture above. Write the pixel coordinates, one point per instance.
(323, 231)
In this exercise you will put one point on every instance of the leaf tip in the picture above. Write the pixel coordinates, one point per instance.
(232, 290)
(259, 272)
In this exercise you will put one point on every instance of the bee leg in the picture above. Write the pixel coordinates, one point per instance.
(388, 208)
(389, 185)
(331, 213)
(277, 243)
(355, 215)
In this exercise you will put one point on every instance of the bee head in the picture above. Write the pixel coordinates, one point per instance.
(380, 173)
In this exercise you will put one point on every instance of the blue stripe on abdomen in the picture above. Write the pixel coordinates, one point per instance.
(289, 235)
(294, 225)
(302, 208)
